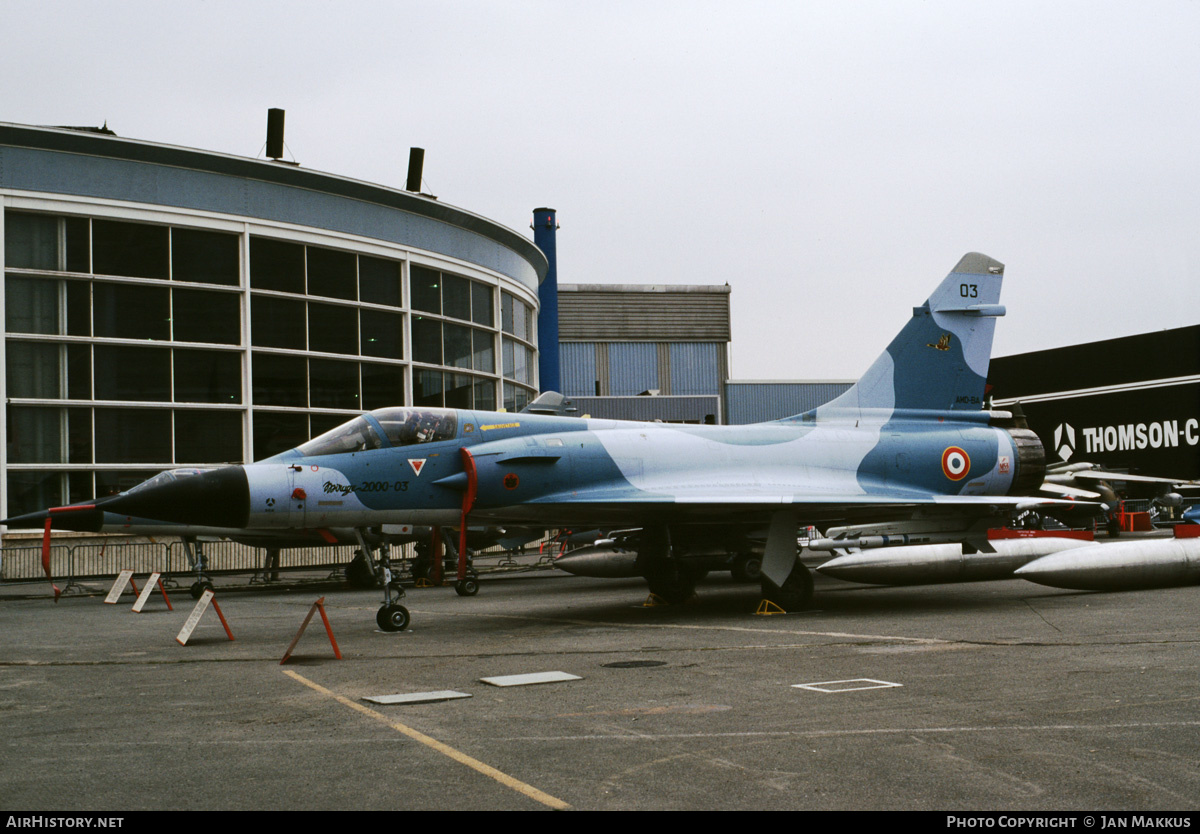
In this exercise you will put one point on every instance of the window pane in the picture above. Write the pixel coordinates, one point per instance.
(485, 395)
(30, 241)
(279, 380)
(34, 370)
(334, 384)
(483, 351)
(426, 294)
(277, 322)
(506, 312)
(32, 491)
(520, 320)
(379, 281)
(79, 252)
(427, 388)
(331, 273)
(36, 435)
(333, 329)
(275, 433)
(205, 316)
(133, 249)
(457, 341)
(79, 372)
(515, 398)
(383, 386)
(126, 311)
(382, 334)
(133, 435)
(204, 257)
(205, 376)
(208, 437)
(459, 389)
(31, 305)
(276, 265)
(456, 297)
(481, 304)
(427, 340)
(132, 373)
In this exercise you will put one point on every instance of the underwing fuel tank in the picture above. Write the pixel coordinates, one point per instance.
(933, 564)
(1122, 566)
(606, 561)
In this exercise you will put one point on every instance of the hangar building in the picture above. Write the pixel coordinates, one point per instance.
(1129, 404)
(645, 352)
(166, 306)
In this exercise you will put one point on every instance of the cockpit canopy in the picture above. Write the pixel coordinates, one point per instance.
(385, 427)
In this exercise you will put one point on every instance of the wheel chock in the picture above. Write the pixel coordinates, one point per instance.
(424, 583)
(653, 601)
(194, 618)
(766, 608)
(319, 605)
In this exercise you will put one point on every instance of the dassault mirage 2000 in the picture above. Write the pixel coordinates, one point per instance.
(911, 440)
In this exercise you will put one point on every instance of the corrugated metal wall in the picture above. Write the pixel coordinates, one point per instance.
(667, 409)
(633, 368)
(577, 368)
(758, 402)
(695, 368)
(619, 313)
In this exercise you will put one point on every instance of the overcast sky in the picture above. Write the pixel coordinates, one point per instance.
(831, 161)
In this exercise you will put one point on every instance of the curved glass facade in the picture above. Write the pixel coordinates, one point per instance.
(138, 339)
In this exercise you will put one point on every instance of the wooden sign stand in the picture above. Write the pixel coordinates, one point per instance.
(155, 579)
(319, 605)
(124, 578)
(194, 618)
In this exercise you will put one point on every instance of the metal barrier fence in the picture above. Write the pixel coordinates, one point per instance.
(95, 561)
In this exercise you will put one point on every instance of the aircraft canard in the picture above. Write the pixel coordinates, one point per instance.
(911, 437)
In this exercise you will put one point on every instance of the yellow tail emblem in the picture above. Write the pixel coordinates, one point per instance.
(942, 343)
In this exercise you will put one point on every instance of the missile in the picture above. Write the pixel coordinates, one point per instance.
(932, 564)
(1120, 566)
(606, 561)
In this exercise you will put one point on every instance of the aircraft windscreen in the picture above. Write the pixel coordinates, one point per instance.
(167, 477)
(409, 426)
(355, 436)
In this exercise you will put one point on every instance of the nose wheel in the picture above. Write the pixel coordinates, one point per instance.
(392, 617)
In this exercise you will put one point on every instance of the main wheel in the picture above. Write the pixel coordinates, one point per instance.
(796, 593)
(359, 572)
(747, 568)
(198, 588)
(468, 587)
(392, 618)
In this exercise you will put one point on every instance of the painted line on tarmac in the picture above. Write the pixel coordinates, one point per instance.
(880, 731)
(445, 749)
(739, 629)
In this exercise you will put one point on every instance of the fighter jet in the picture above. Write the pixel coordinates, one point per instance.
(910, 440)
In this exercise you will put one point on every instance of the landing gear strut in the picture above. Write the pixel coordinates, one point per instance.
(391, 616)
(669, 579)
(195, 557)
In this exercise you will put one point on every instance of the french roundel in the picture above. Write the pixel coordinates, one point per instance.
(955, 463)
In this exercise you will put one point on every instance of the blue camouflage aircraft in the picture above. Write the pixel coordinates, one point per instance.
(910, 440)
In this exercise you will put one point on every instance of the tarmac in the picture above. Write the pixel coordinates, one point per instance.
(995, 696)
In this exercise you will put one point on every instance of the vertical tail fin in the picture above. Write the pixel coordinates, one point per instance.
(939, 361)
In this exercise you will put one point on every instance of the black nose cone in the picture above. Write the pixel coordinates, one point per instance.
(215, 498)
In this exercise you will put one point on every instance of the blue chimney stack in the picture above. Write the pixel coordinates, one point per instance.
(544, 227)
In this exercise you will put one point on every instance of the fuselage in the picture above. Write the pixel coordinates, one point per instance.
(566, 471)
